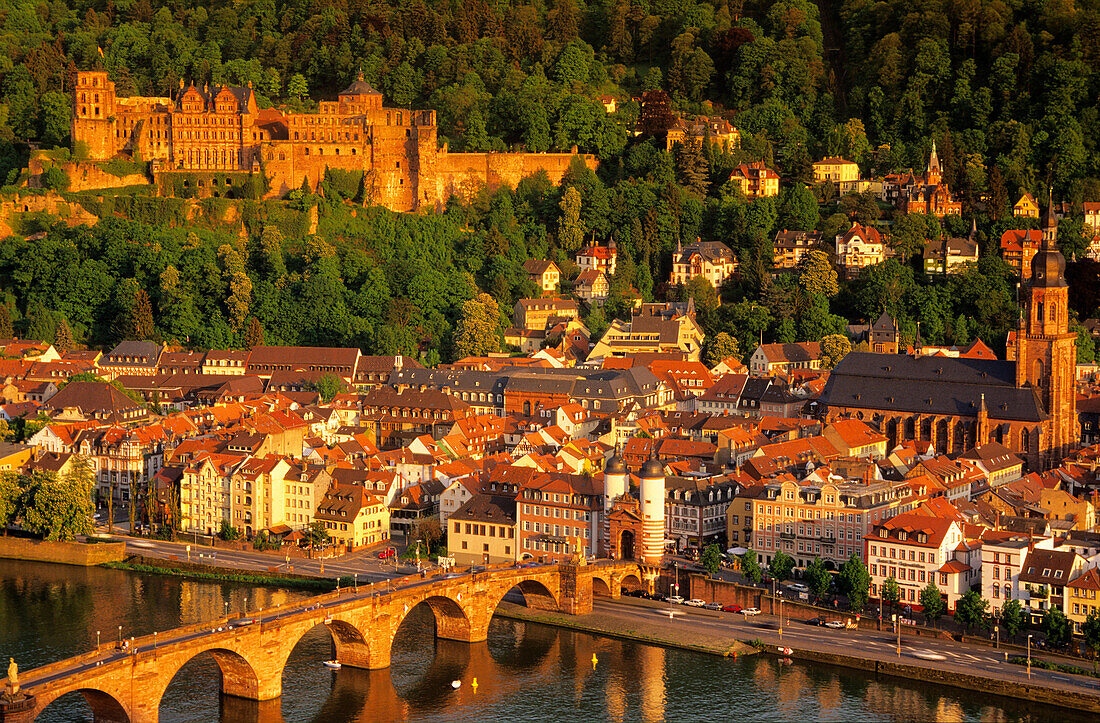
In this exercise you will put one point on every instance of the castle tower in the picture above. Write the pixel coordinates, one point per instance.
(93, 121)
(614, 486)
(1046, 351)
(653, 511)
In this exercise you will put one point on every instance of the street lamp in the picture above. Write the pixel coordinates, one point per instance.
(120, 636)
(1029, 656)
(154, 640)
(997, 632)
(97, 641)
(897, 626)
(227, 610)
(355, 576)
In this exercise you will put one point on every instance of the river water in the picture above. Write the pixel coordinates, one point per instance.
(525, 672)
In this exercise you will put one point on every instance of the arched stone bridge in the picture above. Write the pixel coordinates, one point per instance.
(127, 686)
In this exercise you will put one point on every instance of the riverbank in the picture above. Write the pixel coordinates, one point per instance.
(210, 573)
(1074, 700)
(956, 665)
(652, 632)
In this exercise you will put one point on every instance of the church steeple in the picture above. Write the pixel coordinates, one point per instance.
(933, 174)
(1046, 351)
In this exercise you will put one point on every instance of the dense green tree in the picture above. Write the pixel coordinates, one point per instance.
(328, 386)
(1013, 618)
(11, 494)
(721, 347)
(750, 566)
(1090, 628)
(818, 578)
(253, 335)
(972, 611)
(570, 228)
(1056, 627)
(890, 592)
(834, 347)
(855, 582)
(711, 559)
(781, 566)
(478, 326)
(63, 336)
(59, 507)
(816, 274)
(5, 322)
(798, 209)
(932, 602)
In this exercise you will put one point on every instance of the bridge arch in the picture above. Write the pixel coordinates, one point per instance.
(600, 587)
(352, 646)
(104, 706)
(239, 677)
(631, 581)
(537, 595)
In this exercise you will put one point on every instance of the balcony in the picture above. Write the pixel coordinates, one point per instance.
(787, 535)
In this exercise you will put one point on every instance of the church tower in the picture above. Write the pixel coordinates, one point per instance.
(933, 175)
(1046, 351)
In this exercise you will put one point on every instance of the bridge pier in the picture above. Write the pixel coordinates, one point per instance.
(22, 710)
(576, 590)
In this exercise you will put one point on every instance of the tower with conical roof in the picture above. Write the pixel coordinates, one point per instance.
(1046, 351)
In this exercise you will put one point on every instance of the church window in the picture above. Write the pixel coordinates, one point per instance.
(1053, 310)
(1039, 314)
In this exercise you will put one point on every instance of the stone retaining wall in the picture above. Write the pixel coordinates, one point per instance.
(66, 553)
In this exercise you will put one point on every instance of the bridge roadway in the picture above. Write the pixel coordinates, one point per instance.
(127, 685)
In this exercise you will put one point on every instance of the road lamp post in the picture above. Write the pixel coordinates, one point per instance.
(226, 610)
(355, 576)
(997, 632)
(897, 624)
(1029, 656)
(120, 636)
(154, 640)
(97, 641)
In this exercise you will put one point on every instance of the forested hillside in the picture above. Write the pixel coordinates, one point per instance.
(1008, 91)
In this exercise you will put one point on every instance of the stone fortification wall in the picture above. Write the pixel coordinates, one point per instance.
(66, 553)
(13, 208)
(463, 174)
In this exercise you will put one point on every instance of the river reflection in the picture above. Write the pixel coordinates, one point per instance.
(524, 671)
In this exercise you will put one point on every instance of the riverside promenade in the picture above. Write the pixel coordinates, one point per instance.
(961, 665)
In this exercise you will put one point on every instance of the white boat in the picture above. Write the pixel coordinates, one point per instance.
(334, 664)
(456, 684)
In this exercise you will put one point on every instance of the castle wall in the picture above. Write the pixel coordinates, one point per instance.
(221, 130)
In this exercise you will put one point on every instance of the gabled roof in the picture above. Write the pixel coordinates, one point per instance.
(802, 351)
(1051, 567)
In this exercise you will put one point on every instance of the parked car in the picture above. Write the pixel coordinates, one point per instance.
(675, 599)
(751, 611)
(820, 622)
(388, 552)
(835, 624)
(655, 596)
(798, 587)
(696, 602)
(634, 593)
(731, 608)
(713, 606)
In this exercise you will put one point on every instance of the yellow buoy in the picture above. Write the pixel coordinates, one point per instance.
(474, 685)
